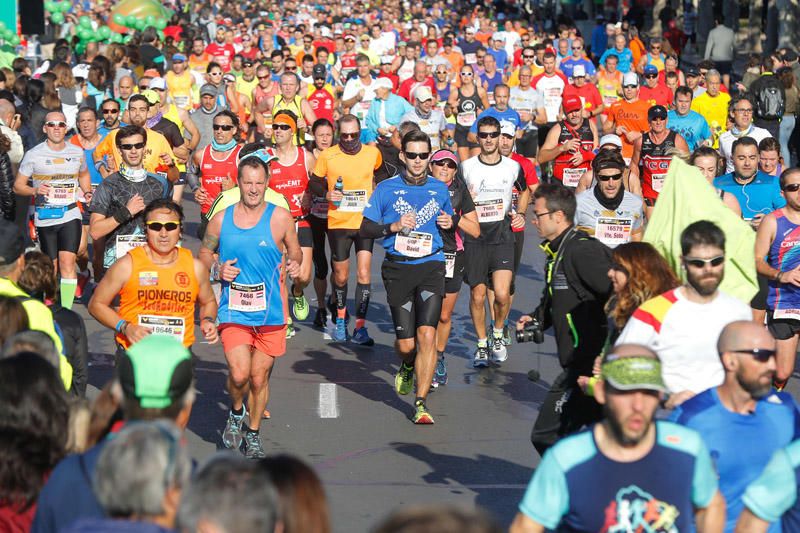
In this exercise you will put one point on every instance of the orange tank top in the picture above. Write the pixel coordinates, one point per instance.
(160, 298)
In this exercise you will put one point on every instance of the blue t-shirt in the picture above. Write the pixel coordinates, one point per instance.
(577, 488)
(773, 495)
(692, 127)
(569, 64)
(759, 197)
(740, 445)
(492, 82)
(393, 198)
(509, 115)
(500, 57)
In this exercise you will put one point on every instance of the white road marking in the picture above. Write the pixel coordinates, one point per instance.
(328, 403)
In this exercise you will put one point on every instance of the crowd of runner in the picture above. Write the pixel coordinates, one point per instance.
(307, 133)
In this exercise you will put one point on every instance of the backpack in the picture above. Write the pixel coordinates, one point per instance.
(770, 100)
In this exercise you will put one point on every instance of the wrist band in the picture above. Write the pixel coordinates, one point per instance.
(120, 325)
(208, 318)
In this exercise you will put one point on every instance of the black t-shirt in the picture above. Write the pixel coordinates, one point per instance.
(462, 204)
(152, 57)
(170, 131)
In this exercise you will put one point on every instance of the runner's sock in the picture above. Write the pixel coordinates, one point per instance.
(498, 333)
(482, 343)
(252, 431)
(362, 302)
(439, 354)
(340, 295)
(238, 412)
(68, 287)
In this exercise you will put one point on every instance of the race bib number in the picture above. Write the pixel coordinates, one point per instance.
(613, 231)
(449, 265)
(361, 110)
(470, 59)
(572, 176)
(415, 244)
(658, 182)
(181, 101)
(353, 201)
(247, 298)
(61, 193)
(490, 210)
(788, 314)
(466, 119)
(126, 243)
(164, 325)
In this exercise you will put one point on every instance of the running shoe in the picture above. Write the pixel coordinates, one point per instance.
(290, 331)
(252, 446)
(404, 380)
(360, 336)
(499, 351)
(321, 318)
(339, 333)
(421, 414)
(506, 335)
(232, 435)
(481, 357)
(440, 372)
(300, 307)
(83, 279)
(266, 414)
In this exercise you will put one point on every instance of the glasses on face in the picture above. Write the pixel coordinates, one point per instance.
(263, 77)
(577, 47)
(759, 354)
(629, 86)
(172, 225)
(55, 124)
(281, 127)
(651, 76)
(349, 136)
(223, 127)
(131, 146)
(524, 56)
(467, 74)
(792, 187)
(658, 119)
(215, 73)
(143, 87)
(697, 262)
(481, 57)
(292, 69)
(656, 47)
(110, 111)
(487, 134)
(607, 177)
(415, 155)
(745, 110)
(446, 162)
(537, 216)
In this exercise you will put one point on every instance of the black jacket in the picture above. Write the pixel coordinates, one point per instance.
(574, 296)
(8, 202)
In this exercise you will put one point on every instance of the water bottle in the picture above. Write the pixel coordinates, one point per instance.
(338, 187)
(407, 231)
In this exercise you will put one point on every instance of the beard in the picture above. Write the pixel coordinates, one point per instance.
(704, 284)
(617, 428)
(756, 389)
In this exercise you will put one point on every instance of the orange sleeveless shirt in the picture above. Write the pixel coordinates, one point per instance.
(160, 298)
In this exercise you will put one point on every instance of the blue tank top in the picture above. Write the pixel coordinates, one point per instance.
(254, 297)
(784, 254)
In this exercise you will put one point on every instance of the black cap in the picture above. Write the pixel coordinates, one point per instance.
(692, 71)
(247, 62)
(657, 111)
(789, 56)
(319, 72)
(12, 243)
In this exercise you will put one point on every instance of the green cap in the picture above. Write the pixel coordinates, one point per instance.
(156, 371)
(636, 372)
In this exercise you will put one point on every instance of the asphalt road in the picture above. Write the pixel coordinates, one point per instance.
(334, 405)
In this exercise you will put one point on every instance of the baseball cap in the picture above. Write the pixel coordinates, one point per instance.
(230, 78)
(497, 36)
(155, 371)
(384, 83)
(611, 138)
(158, 83)
(571, 103)
(579, 71)
(469, 29)
(692, 71)
(444, 154)
(12, 243)
(650, 69)
(349, 37)
(630, 78)
(789, 56)
(636, 372)
(151, 73)
(423, 93)
(208, 90)
(152, 96)
(246, 62)
(507, 128)
(178, 57)
(319, 72)
(657, 111)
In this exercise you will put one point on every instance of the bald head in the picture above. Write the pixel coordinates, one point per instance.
(7, 111)
(744, 335)
(633, 350)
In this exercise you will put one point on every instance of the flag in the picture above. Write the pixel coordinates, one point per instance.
(686, 198)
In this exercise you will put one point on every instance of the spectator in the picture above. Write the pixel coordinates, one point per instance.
(769, 98)
(720, 47)
(34, 342)
(787, 125)
(440, 518)
(303, 504)
(15, 318)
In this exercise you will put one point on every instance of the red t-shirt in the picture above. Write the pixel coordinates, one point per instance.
(222, 54)
(408, 87)
(589, 95)
(658, 95)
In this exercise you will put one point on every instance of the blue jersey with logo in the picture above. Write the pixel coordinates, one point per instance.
(393, 198)
(740, 445)
(759, 197)
(508, 115)
(784, 254)
(772, 497)
(577, 488)
(692, 127)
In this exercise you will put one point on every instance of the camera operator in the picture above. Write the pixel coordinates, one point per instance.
(576, 289)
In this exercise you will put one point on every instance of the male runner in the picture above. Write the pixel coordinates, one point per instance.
(628, 117)
(570, 144)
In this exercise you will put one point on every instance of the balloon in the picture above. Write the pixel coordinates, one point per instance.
(85, 34)
(149, 20)
(130, 21)
(161, 24)
(118, 19)
(14, 41)
(50, 6)
(57, 17)
(104, 32)
(140, 24)
(7, 34)
(85, 22)
(65, 6)
(160, 35)
(2, 26)
(80, 48)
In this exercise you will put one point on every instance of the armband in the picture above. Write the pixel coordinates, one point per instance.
(122, 215)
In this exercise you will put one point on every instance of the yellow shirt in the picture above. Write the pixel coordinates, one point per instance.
(246, 87)
(180, 88)
(715, 111)
(156, 145)
(357, 173)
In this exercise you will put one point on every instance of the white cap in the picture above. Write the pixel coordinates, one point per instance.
(81, 70)
(630, 78)
(423, 93)
(383, 83)
(507, 128)
(611, 139)
(497, 36)
(325, 31)
(158, 83)
(578, 71)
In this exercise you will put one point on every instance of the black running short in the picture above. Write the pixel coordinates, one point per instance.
(319, 228)
(782, 328)
(414, 293)
(519, 244)
(453, 284)
(304, 234)
(483, 259)
(64, 237)
(341, 240)
(528, 144)
(759, 301)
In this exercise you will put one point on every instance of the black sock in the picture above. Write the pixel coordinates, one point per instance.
(419, 399)
(238, 412)
(439, 354)
(340, 295)
(362, 299)
(251, 431)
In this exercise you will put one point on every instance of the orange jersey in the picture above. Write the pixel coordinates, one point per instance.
(357, 172)
(633, 117)
(160, 298)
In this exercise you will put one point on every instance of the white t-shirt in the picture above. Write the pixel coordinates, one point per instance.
(60, 170)
(360, 109)
(684, 335)
(525, 100)
(432, 125)
(727, 138)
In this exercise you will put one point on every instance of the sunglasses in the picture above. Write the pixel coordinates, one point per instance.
(629, 86)
(145, 87)
(446, 162)
(528, 56)
(132, 146)
(215, 73)
(792, 187)
(614, 177)
(487, 134)
(263, 77)
(53, 124)
(700, 263)
(282, 127)
(110, 111)
(759, 354)
(291, 69)
(349, 135)
(414, 155)
(467, 74)
(223, 127)
(158, 226)
(651, 76)
(577, 47)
